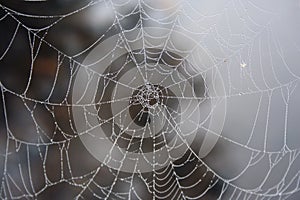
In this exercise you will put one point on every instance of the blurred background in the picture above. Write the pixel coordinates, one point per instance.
(254, 46)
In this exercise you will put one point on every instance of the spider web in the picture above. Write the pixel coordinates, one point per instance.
(149, 100)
